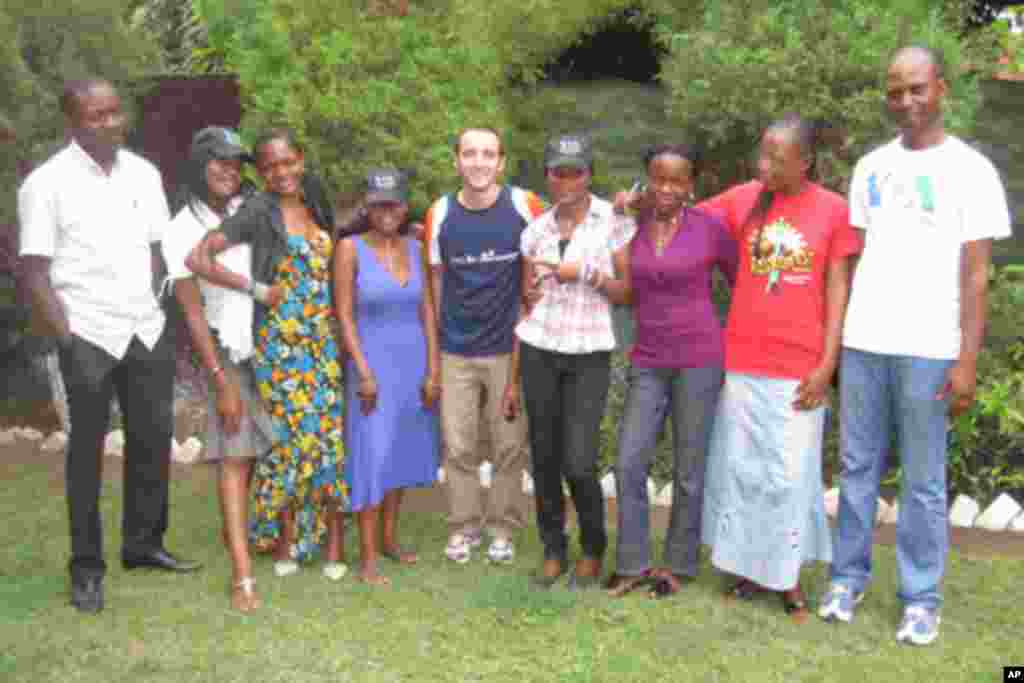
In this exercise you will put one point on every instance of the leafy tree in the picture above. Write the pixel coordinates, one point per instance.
(359, 90)
(745, 63)
(41, 45)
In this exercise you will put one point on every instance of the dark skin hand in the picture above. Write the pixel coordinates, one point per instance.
(229, 398)
(812, 391)
(202, 261)
(961, 379)
(49, 318)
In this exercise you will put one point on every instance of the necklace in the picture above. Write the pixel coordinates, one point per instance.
(664, 233)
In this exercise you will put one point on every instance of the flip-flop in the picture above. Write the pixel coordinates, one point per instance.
(666, 584)
(795, 605)
(401, 555)
(744, 589)
(619, 585)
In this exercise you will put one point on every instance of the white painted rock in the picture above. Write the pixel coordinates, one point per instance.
(114, 444)
(527, 483)
(486, 474)
(1017, 525)
(183, 454)
(964, 511)
(608, 485)
(55, 443)
(665, 497)
(882, 512)
(441, 476)
(892, 514)
(8, 438)
(193, 449)
(832, 503)
(32, 435)
(999, 514)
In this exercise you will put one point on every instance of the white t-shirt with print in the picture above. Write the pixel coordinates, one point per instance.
(917, 208)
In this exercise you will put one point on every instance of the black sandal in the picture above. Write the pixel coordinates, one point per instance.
(744, 589)
(667, 584)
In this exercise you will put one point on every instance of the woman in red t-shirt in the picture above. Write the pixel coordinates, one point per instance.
(763, 509)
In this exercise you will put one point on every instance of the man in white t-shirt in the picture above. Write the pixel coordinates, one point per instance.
(91, 218)
(929, 207)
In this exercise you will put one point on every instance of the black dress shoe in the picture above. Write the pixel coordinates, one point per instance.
(87, 593)
(159, 559)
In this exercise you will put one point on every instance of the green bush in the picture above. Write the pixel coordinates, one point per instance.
(358, 90)
(41, 45)
(745, 63)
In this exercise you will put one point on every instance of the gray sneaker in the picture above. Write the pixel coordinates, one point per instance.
(839, 603)
(920, 626)
(501, 551)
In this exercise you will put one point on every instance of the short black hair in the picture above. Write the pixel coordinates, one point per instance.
(683, 150)
(75, 89)
(276, 133)
(932, 54)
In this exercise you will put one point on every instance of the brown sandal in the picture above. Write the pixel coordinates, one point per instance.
(795, 605)
(619, 585)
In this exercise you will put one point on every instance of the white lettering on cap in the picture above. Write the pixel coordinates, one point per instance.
(385, 182)
(570, 146)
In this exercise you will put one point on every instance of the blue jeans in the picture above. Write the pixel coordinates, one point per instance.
(690, 397)
(880, 392)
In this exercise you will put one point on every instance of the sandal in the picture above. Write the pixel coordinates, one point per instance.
(546, 579)
(795, 605)
(401, 555)
(619, 585)
(744, 589)
(243, 595)
(666, 584)
(369, 575)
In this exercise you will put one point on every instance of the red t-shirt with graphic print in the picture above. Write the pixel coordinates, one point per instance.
(776, 322)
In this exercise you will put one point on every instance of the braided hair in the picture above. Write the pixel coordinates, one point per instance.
(807, 137)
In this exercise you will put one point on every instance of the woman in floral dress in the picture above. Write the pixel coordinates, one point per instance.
(299, 487)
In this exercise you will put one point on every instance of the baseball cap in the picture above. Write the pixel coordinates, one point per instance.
(386, 185)
(568, 150)
(214, 142)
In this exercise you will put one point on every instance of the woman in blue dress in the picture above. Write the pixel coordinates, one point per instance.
(393, 370)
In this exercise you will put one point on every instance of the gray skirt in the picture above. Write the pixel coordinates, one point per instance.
(255, 435)
(764, 513)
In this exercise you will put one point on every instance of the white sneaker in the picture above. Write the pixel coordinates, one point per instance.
(920, 626)
(501, 551)
(458, 549)
(335, 571)
(839, 603)
(284, 568)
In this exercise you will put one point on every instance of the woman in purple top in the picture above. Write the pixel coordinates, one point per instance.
(676, 367)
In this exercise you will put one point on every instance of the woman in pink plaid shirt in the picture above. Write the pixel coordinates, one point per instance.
(572, 254)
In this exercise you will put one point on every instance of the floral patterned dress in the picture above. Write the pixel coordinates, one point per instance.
(298, 374)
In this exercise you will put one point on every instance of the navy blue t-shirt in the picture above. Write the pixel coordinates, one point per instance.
(482, 271)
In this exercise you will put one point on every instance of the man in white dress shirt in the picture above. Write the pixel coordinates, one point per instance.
(91, 218)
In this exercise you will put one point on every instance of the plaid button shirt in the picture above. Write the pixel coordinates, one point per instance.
(573, 317)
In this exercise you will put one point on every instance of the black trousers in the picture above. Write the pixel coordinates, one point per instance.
(144, 382)
(565, 397)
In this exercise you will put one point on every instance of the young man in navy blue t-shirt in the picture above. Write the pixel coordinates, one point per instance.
(475, 272)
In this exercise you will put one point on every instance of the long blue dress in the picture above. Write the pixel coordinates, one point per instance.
(395, 446)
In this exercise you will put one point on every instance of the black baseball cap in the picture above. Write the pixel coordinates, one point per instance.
(386, 185)
(569, 150)
(215, 142)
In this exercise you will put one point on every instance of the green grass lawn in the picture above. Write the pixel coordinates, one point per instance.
(439, 622)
